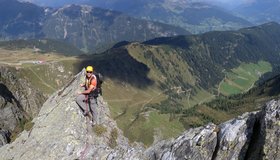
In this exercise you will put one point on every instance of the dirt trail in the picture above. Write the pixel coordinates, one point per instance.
(41, 79)
(11, 64)
(118, 100)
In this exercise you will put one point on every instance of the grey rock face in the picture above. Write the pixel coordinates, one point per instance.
(18, 99)
(270, 131)
(229, 140)
(9, 115)
(198, 143)
(234, 137)
(62, 132)
(4, 137)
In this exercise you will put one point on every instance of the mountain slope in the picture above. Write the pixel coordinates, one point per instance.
(99, 27)
(212, 52)
(89, 29)
(20, 20)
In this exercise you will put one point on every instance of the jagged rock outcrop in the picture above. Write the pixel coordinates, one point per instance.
(270, 131)
(61, 132)
(18, 99)
(266, 136)
(197, 143)
(251, 136)
(234, 137)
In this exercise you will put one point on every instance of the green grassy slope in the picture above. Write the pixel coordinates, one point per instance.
(242, 79)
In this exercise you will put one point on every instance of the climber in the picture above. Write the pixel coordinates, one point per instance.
(87, 100)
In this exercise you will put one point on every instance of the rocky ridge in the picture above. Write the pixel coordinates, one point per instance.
(62, 132)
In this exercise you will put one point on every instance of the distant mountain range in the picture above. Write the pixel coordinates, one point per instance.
(260, 11)
(193, 16)
(88, 28)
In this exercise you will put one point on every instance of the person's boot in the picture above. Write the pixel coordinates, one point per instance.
(85, 113)
(92, 123)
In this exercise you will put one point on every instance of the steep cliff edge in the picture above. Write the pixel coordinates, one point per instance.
(19, 100)
(61, 132)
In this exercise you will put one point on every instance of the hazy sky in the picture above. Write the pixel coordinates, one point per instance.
(231, 3)
(225, 3)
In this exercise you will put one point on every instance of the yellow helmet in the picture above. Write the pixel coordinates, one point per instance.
(89, 69)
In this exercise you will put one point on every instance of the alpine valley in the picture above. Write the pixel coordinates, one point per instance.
(158, 88)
